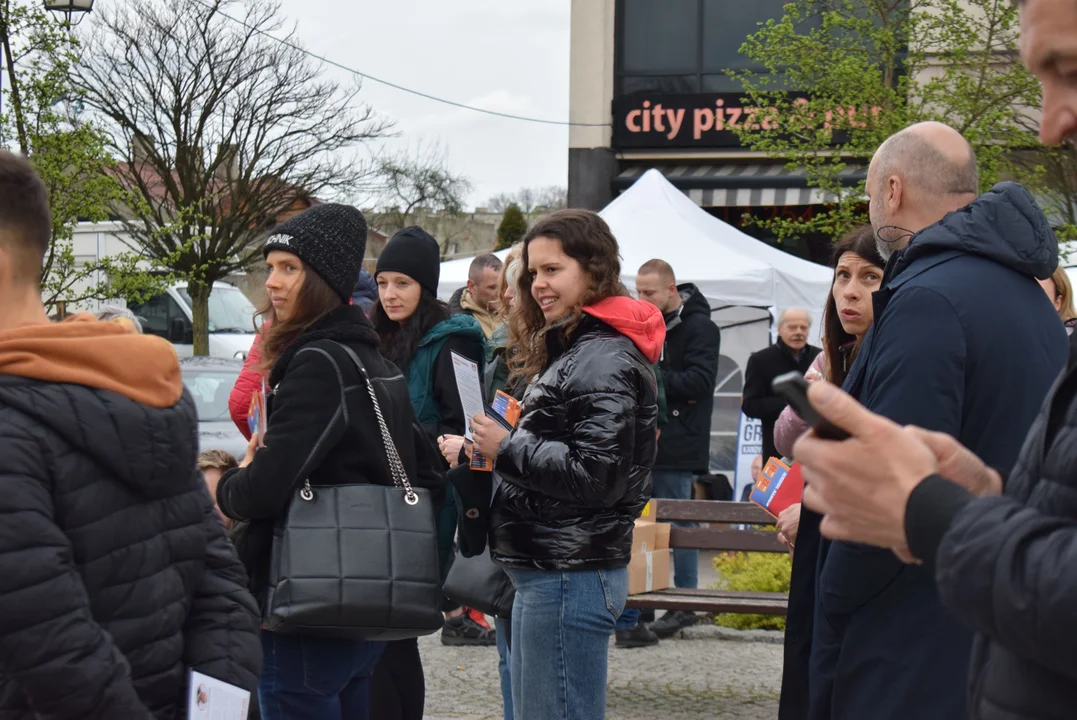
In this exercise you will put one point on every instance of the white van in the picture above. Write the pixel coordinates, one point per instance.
(231, 320)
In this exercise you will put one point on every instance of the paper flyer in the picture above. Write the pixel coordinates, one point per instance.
(212, 699)
(256, 415)
(778, 487)
(469, 387)
(506, 410)
(507, 407)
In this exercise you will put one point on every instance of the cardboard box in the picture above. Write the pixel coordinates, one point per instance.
(649, 534)
(649, 571)
(662, 531)
(645, 536)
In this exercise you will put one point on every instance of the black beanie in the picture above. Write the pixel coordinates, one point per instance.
(414, 252)
(330, 239)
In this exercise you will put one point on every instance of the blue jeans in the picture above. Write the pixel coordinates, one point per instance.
(316, 678)
(561, 627)
(677, 485)
(504, 663)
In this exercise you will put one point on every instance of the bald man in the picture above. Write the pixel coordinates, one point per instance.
(964, 342)
(791, 352)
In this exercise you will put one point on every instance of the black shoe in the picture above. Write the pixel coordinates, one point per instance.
(637, 637)
(462, 630)
(672, 623)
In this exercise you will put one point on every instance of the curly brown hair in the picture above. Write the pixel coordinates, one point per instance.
(586, 238)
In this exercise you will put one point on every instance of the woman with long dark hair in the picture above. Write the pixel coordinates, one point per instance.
(323, 427)
(575, 468)
(418, 334)
(858, 272)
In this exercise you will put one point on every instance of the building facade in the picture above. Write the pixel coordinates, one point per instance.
(650, 87)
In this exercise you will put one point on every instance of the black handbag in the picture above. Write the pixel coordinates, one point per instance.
(357, 561)
(480, 583)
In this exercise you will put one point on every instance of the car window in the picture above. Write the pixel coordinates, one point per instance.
(157, 313)
(229, 310)
(210, 390)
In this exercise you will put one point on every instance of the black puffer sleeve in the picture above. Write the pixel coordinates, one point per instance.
(1007, 571)
(589, 463)
(50, 645)
(221, 634)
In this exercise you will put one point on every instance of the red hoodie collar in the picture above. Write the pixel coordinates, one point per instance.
(639, 321)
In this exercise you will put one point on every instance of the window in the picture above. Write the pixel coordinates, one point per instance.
(229, 310)
(681, 47)
(725, 418)
(210, 391)
(727, 24)
(660, 37)
(157, 315)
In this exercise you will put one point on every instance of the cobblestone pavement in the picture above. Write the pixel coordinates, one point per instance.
(702, 676)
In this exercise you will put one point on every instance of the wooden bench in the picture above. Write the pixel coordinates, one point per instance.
(722, 536)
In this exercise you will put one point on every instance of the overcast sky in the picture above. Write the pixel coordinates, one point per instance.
(505, 55)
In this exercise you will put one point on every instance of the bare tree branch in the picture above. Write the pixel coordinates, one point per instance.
(219, 128)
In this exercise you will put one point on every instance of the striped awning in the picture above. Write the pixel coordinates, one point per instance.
(743, 185)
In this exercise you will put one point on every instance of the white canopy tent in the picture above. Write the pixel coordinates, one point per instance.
(654, 219)
(744, 280)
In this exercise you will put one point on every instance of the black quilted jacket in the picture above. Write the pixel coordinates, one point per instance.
(115, 574)
(1007, 566)
(576, 469)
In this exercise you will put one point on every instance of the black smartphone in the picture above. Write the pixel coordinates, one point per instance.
(793, 387)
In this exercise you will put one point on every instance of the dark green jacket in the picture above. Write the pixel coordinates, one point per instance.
(431, 377)
(497, 366)
(432, 388)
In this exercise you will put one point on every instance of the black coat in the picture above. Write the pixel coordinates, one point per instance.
(576, 469)
(322, 427)
(1007, 566)
(689, 368)
(116, 576)
(964, 342)
(760, 400)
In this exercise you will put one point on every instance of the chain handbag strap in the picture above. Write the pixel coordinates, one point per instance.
(396, 466)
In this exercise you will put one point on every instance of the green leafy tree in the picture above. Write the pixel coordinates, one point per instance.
(69, 153)
(873, 67)
(512, 229)
(223, 130)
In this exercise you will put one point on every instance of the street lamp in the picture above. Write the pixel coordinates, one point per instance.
(70, 8)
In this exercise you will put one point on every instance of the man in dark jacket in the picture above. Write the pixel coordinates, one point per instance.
(116, 577)
(963, 344)
(791, 352)
(689, 367)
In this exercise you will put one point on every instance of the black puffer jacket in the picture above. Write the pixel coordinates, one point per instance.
(1007, 566)
(689, 368)
(322, 427)
(576, 467)
(115, 574)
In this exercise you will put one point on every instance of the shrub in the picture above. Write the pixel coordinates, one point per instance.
(753, 572)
